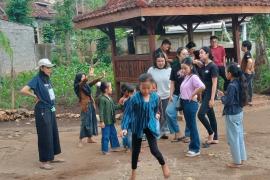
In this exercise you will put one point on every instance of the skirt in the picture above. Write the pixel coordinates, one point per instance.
(89, 126)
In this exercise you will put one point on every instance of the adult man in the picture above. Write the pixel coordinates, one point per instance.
(219, 55)
(247, 66)
(165, 49)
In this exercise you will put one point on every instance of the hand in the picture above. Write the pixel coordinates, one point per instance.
(91, 71)
(220, 93)
(211, 103)
(158, 116)
(170, 99)
(122, 100)
(194, 97)
(124, 132)
(199, 63)
(36, 99)
(102, 125)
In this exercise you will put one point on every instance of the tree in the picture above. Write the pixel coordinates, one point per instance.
(260, 31)
(19, 11)
(64, 25)
(48, 33)
(6, 47)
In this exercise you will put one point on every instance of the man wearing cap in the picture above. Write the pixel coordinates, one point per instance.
(41, 89)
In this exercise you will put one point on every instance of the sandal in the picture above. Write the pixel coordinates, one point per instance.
(233, 165)
(186, 140)
(206, 144)
(178, 139)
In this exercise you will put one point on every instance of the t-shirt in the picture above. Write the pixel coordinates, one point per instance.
(43, 90)
(218, 54)
(189, 85)
(162, 78)
(177, 77)
(210, 71)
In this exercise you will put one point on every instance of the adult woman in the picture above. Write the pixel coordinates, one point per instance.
(176, 78)
(82, 90)
(161, 74)
(210, 76)
(47, 131)
(190, 88)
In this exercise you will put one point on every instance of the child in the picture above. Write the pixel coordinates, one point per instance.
(107, 110)
(140, 112)
(234, 100)
(127, 96)
(88, 113)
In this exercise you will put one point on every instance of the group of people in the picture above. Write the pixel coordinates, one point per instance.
(188, 84)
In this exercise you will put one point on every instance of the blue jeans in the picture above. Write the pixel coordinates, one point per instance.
(190, 110)
(109, 134)
(235, 137)
(171, 115)
(127, 140)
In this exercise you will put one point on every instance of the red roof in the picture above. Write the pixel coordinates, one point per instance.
(42, 10)
(114, 6)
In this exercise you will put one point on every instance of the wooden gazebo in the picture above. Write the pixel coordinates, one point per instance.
(152, 15)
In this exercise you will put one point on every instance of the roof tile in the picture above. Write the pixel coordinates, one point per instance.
(113, 6)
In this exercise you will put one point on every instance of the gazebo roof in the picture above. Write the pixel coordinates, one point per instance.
(119, 10)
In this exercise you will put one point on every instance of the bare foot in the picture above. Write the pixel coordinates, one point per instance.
(80, 144)
(106, 153)
(215, 142)
(233, 165)
(46, 166)
(133, 175)
(210, 138)
(91, 140)
(166, 171)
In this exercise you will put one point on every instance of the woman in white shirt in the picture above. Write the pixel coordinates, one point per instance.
(160, 72)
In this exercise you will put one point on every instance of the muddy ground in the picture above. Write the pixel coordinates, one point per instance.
(19, 156)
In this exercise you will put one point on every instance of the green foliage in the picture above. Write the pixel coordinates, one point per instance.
(260, 26)
(65, 13)
(5, 44)
(263, 83)
(47, 33)
(62, 81)
(19, 11)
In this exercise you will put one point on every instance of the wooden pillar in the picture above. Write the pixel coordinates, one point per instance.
(190, 31)
(151, 35)
(114, 54)
(236, 38)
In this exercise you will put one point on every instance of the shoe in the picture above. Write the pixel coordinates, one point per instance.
(192, 154)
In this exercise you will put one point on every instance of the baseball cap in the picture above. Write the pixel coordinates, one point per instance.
(45, 62)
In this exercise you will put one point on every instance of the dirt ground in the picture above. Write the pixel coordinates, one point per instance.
(19, 155)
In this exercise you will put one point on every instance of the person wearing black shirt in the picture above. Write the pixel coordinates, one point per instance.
(164, 49)
(176, 78)
(209, 77)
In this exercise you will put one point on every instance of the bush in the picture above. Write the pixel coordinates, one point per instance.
(62, 81)
(262, 83)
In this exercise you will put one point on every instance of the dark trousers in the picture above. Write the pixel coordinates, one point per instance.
(211, 123)
(136, 148)
(222, 73)
(190, 110)
(47, 131)
(249, 78)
